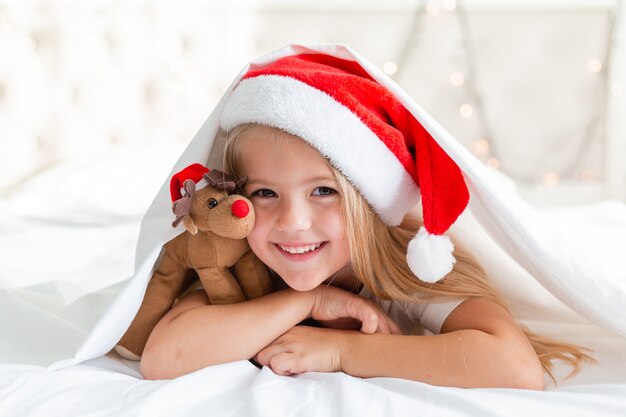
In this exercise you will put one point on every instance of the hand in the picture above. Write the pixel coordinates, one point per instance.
(305, 349)
(341, 309)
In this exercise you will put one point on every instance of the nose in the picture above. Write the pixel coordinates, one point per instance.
(294, 216)
(240, 209)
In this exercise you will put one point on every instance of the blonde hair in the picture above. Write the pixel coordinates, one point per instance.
(378, 255)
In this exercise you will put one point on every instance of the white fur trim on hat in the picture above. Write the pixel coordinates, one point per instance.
(430, 256)
(334, 130)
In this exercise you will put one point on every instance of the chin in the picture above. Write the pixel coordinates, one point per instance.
(302, 285)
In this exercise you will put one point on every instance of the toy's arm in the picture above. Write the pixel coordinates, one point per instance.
(162, 289)
(253, 276)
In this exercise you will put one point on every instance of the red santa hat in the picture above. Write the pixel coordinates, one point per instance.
(369, 136)
(194, 172)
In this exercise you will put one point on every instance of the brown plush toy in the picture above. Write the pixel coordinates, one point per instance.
(216, 223)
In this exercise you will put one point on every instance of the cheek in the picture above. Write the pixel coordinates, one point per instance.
(253, 241)
(258, 237)
(334, 225)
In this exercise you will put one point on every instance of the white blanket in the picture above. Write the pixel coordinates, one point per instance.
(239, 389)
(65, 298)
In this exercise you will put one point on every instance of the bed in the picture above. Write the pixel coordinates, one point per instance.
(71, 252)
(48, 308)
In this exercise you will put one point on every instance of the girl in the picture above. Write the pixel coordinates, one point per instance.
(335, 165)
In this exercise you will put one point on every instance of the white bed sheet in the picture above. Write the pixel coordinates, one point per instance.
(239, 389)
(47, 311)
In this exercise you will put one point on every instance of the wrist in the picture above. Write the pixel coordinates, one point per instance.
(348, 341)
(314, 300)
(305, 299)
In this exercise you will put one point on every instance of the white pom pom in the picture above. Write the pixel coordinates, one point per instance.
(430, 256)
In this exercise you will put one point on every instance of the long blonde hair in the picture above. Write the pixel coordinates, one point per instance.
(378, 255)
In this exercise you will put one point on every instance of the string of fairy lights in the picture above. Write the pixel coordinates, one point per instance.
(485, 145)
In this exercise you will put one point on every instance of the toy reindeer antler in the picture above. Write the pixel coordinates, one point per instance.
(223, 181)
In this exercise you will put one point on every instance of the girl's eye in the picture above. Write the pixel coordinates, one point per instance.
(324, 191)
(264, 193)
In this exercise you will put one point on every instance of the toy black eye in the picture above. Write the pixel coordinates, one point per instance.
(212, 203)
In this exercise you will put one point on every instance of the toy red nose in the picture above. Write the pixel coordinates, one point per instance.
(240, 209)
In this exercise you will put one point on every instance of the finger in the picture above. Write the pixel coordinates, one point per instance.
(383, 326)
(265, 356)
(383, 323)
(282, 363)
(390, 326)
(361, 311)
(369, 323)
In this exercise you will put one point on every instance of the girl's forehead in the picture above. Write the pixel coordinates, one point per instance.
(265, 149)
(270, 139)
(268, 135)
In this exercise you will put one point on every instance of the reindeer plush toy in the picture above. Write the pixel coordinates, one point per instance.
(216, 223)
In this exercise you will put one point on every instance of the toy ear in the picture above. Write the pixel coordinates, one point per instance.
(190, 187)
(181, 209)
(190, 225)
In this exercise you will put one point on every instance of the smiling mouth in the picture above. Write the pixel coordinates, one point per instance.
(301, 249)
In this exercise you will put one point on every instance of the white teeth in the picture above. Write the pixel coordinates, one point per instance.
(300, 249)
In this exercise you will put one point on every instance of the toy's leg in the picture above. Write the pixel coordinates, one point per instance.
(160, 294)
(220, 285)
(253, 276)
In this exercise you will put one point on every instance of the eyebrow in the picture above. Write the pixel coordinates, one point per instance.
(310, 180)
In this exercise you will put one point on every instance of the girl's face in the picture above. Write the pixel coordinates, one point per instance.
(299, 230)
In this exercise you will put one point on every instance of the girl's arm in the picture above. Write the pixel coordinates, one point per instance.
(480, 346)
(194, 334)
